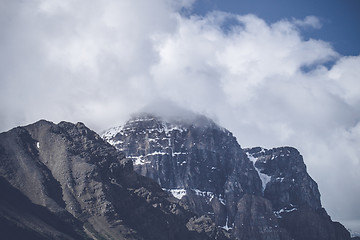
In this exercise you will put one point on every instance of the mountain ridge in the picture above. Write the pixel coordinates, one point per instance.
(195, 182)
(279, 175)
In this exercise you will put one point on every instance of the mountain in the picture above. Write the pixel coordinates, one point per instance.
(250, 193)
(63, 181)
(166, 178)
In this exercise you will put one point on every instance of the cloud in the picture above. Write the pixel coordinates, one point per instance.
(345, 77)
(309, 21)
(78, 60)
(98, 62)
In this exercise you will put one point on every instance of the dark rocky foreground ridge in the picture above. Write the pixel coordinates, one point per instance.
(250, 193)
(63, 181)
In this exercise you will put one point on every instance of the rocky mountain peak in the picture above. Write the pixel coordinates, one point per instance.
(152, 122)
(251, 193)
(193, 146)
(197, 161)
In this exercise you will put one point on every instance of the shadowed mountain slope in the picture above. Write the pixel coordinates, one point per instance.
(62, 181)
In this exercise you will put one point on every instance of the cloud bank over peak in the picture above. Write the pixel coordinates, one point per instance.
(237, 61)
(99, 62)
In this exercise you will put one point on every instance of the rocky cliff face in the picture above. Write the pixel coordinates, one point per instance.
(252, 193)
(286, 182)
(62, 181)
(294, 195)
(203, 165)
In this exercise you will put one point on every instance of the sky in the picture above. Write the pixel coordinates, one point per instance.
(275, 73)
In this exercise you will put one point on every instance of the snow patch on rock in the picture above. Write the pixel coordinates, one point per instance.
(177, 193)
(265, 179)
(226, 227)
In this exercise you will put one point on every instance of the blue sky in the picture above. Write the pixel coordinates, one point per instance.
(275, 73)
(340, 18)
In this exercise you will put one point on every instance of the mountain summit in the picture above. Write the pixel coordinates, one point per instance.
(251, 193)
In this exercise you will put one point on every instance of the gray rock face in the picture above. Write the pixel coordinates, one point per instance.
(200, 163)
(252, 194)
(185, 155)
(255, 220)
(294, 194)
(288, 184)
(77, 186)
